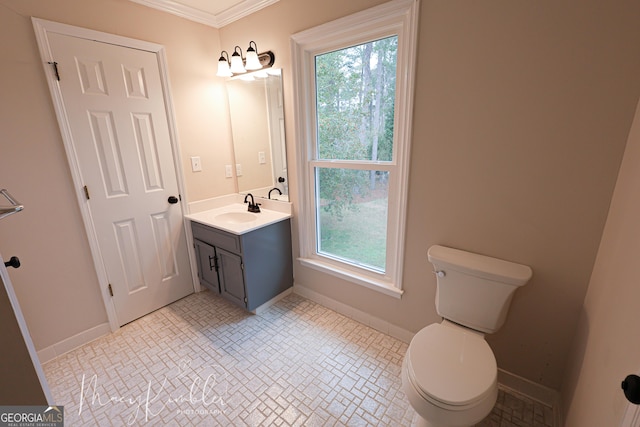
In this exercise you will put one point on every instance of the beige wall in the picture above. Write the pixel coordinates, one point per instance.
(57, 285)
(607, 348)
(521, 117)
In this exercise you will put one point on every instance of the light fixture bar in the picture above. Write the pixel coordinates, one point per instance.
(267, 59)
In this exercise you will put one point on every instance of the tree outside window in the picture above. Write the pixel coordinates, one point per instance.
(355, 93)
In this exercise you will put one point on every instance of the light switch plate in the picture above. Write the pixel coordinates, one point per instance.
(196, 165)
(228, 172)
(238, 169)
(261, 158)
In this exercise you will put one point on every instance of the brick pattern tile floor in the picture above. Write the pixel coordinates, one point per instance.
(204, 362)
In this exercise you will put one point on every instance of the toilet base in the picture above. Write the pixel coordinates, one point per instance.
(418, 421)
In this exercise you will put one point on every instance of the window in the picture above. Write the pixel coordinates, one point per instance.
(354, 97)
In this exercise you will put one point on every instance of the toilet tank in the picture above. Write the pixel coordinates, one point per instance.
(475, 290)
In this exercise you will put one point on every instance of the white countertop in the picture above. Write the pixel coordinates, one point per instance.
(263, 218)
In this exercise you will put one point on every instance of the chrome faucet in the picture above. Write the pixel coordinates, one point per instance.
(253, 206)
(276, 189)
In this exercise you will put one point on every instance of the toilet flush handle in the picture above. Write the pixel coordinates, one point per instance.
(439, 273)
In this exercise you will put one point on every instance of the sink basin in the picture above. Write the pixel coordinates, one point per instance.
(236, 217)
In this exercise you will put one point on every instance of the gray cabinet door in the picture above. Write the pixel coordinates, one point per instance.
(248, 269)
(231, 277)
(207, 265)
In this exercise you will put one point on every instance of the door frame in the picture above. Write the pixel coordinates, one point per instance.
(42, 29)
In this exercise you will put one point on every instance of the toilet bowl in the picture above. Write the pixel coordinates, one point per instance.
(449, 375)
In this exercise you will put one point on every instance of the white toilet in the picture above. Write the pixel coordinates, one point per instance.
(449, 373)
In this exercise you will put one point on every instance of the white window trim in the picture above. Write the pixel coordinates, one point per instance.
(397, 17)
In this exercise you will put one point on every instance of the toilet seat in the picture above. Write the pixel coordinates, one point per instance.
(451, 366)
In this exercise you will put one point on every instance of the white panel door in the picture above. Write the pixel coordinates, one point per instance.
(114, 104)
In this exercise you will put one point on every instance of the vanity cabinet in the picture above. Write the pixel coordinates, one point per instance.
(248, 269)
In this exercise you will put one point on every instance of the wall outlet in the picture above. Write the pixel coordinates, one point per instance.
(196, 165)
(261, 158)
(228, 172)
(238, 169)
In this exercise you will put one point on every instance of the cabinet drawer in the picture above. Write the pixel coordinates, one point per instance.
(216, 237)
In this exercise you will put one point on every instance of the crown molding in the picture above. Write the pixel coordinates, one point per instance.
(240, 10)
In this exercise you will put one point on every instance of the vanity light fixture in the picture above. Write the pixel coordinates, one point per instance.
(229, 67)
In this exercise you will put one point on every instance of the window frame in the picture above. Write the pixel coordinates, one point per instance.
(395, 18)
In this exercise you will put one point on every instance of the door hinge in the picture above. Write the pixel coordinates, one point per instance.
(86, 192)
(110, 290)
(55, 69)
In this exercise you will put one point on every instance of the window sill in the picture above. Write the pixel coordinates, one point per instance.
(367, 282)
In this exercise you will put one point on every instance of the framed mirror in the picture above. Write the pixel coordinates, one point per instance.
(257, 125)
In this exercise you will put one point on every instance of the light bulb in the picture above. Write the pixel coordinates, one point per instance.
(223, 66)
(253, 62)
(236, 62)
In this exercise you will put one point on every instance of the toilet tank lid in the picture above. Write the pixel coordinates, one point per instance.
(480, 265)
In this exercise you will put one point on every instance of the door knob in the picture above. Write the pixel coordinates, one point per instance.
(13, 262)
(281, 179)
(631, 387)
(172, 199)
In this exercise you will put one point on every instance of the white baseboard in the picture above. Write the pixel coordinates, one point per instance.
(260, 309)
(47, 354)
(535, 391)
(357, 315)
